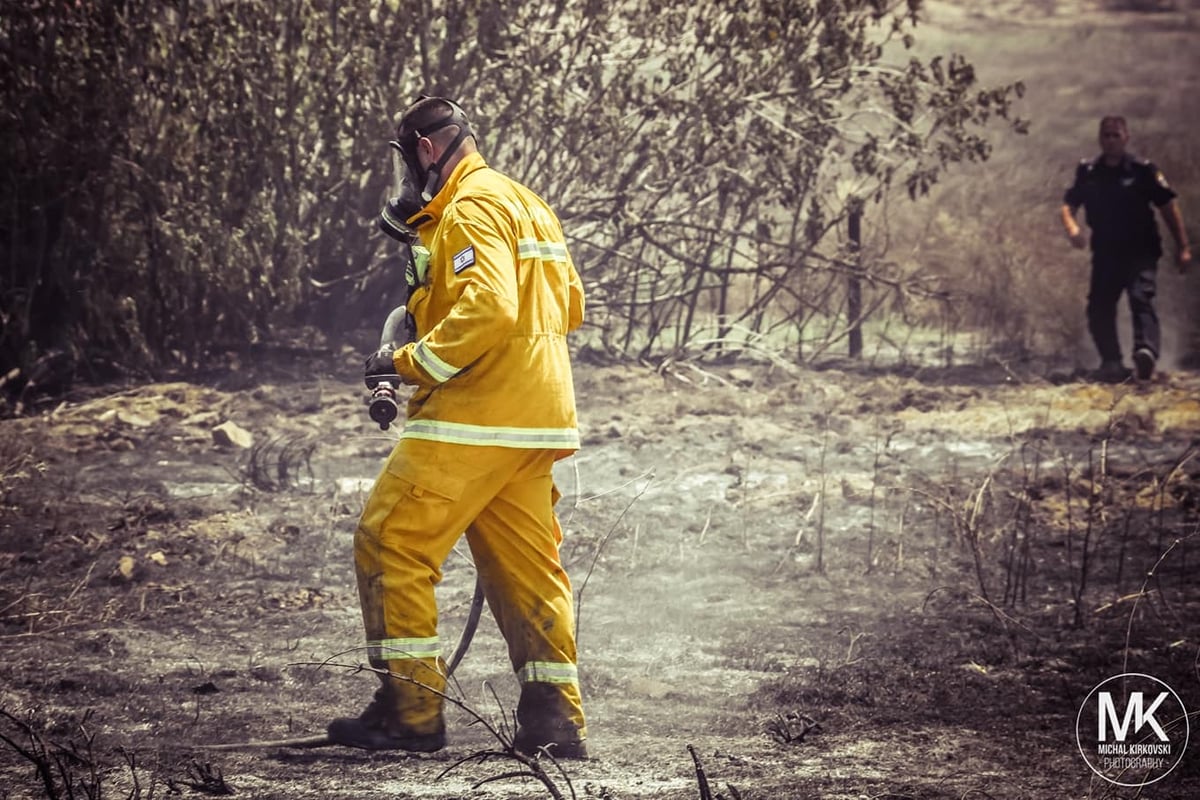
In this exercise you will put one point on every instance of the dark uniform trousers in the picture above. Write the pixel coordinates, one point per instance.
(1120, 200)
(1112, 274)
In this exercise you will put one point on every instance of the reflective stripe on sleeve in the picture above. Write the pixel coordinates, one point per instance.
(546, 251)
(435, 430)
(439, 370)
(399, 649)
(548, 672)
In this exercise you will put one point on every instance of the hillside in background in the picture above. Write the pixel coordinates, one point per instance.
(995, 228)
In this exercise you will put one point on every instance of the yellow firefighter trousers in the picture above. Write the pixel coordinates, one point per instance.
(427, 495)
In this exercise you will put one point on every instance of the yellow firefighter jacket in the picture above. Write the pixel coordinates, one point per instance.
(490, 361)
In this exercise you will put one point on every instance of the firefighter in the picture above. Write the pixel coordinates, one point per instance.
(492, 409)
(1117, 192)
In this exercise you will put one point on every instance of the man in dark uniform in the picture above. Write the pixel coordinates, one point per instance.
(1117, 191)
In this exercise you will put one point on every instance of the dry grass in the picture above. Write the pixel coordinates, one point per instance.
(991, 232)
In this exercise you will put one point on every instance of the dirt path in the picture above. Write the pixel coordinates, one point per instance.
(752, 549)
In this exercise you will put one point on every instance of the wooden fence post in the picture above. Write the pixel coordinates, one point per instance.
(854, 284)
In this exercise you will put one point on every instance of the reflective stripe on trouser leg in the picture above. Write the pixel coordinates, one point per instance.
(515, 542)
(548, 672)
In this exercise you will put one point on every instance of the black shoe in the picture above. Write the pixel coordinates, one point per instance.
(355, 732)
(371, 730)
(1113, 372)
(1143, 362)
(530, 745)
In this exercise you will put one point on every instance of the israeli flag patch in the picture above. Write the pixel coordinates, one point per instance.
(463, 259)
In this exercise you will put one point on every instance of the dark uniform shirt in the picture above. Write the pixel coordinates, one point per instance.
(1118, 203)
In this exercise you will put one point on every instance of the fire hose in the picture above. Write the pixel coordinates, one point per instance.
(383, 408)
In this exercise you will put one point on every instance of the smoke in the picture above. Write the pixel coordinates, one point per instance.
(1178, 296)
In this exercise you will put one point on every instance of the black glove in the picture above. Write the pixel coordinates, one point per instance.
(393, 219)
(381, 363)
(383, 382)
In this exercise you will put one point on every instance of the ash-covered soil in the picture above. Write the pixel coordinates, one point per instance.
(826, 583)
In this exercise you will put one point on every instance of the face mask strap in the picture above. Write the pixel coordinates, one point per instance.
(436, 169)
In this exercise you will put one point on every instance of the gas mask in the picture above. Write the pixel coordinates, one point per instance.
(427, 115)
(413, 187)
(402, 206)
(404, 203)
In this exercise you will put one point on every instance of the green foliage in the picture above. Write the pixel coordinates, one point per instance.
(188, 178)
(181, 171)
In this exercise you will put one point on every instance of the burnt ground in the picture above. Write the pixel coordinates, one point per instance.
(882, 584)
(827, 583)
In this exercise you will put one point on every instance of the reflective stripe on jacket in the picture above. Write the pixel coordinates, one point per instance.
(490, 362)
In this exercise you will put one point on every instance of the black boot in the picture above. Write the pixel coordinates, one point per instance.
(1144, 362)
(544, 724)
(373, 730)
(563, 745)
(1112, 372)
